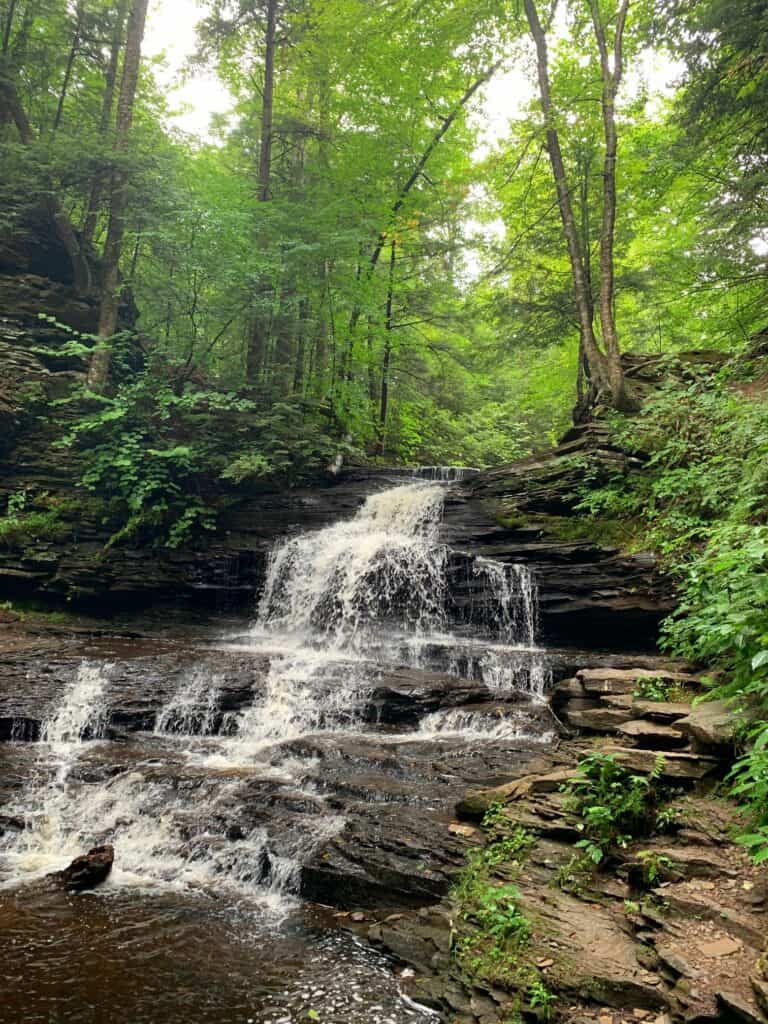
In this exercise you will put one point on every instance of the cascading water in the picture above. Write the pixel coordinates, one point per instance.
(341, 582)
(47, 807)
(237, 796)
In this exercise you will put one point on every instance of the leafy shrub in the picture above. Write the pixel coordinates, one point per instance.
(614, 804)
(656, 688)
(703, 504)
(156, 449)
(30, 518)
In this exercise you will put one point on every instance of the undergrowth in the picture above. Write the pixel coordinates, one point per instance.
(703, 508)
(614, 806)
(493, 933)
(161, 450)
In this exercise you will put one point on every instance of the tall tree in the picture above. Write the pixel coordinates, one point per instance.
(605, 370)
(98, 371)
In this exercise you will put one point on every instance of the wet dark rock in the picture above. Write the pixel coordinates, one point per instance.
(87, 871)
(11, 823)
(19, 728)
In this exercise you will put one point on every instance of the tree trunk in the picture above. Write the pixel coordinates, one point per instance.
(98, 371)
(108, 99)
(258, 335)
(73, 52)
(387, 360)
(598, 364)
(265, 152)
(301, 347)
(7, 28)
(611, 78)
(417, 171)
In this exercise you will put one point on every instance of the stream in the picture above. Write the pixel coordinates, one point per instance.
(259, 779)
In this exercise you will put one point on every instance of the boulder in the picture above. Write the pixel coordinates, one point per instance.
(713, 723)
(87, 871)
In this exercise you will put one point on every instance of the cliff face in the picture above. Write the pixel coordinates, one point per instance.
(521, 513)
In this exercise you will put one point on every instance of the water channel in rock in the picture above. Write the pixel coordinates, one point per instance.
(252, 776)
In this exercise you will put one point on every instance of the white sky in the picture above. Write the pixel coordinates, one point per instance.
(195, 98)
(171, 33)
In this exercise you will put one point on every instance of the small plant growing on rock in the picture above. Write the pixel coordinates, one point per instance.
(614, 804)
(541, 999)
(488, 909)
(656, 688)
(654, 865)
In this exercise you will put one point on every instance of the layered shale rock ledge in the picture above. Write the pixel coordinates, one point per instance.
(672, 928)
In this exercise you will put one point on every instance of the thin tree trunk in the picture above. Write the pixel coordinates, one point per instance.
(418, 170)
(258, 335)
(387, 360)
(73, 52)
(611, 78)
(372, 395)
(301, 347)
(7, 28)
(108, 99)
(98, 370)
(597, 361)
(265, 151)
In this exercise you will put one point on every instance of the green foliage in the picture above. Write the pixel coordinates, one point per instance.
(541, 999)
(657, 688)
(487, 907)
(29, 518)
(702, 501)
(654, 865)
(154, 450)
(614, 804)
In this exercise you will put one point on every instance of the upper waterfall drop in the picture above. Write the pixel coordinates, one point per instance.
(385, 564)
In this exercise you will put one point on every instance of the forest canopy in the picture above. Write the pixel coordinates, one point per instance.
(353, 251)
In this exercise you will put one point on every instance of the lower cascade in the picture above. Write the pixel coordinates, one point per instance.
(239, 773)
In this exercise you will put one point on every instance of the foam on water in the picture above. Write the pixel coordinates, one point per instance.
(341, 582)
(337, 603)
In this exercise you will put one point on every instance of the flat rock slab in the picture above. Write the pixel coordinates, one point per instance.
(625, 680)
(652, 734)
(677, 765)
(598, 719)
(594, 957)
(661, 710)
(713, 723)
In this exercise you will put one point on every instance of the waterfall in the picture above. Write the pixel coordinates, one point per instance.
(341, 606)
(444, 474)
(384, 564)
(514, 613)
(192, 710)
(47, 808)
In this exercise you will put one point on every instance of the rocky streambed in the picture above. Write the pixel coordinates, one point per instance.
(371, 816)
(293, 801)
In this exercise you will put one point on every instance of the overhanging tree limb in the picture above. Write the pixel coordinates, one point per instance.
(423, 160)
